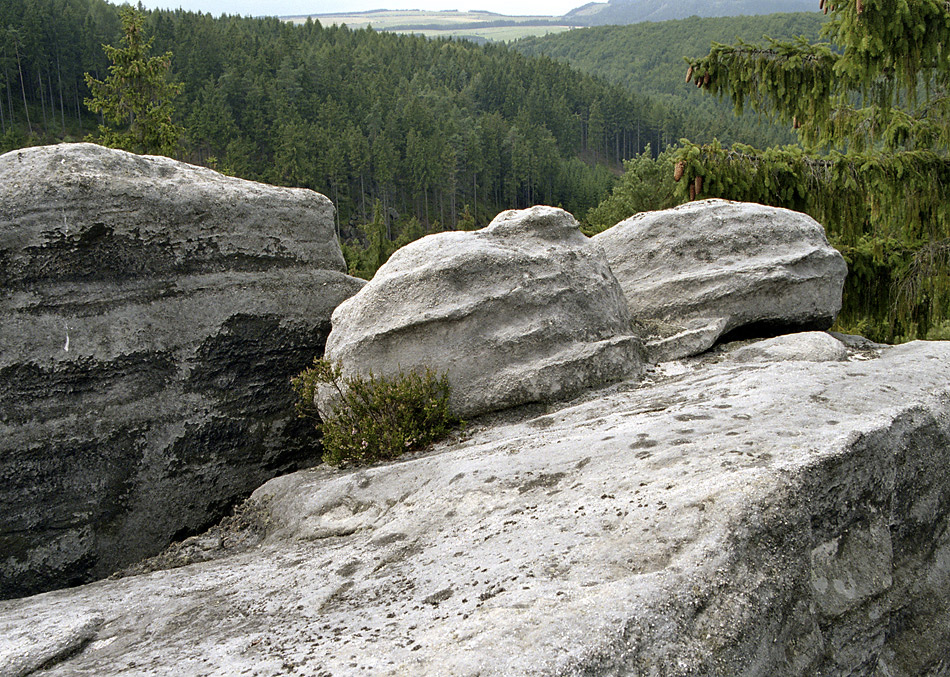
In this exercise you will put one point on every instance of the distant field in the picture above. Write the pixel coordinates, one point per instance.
(496, 34)
(472, 25)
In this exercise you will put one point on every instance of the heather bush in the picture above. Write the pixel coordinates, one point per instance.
(374, 418)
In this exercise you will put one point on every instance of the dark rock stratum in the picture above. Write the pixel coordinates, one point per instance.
(151, 316)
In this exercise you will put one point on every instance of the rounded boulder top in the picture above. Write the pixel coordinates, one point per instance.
(523, 310)
(549, 223)
(713, 267)
(179, 217)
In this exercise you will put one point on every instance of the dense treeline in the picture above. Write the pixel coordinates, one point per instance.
(427, 128)
(45, 48)
(647, 58)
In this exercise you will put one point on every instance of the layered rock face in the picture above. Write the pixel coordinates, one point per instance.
(524, 310)
(716, 517)
(151, 315)
(709, 268)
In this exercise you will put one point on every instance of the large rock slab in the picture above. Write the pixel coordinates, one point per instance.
(151, 315)
(706, 269)
(715, 518)
(524, 310)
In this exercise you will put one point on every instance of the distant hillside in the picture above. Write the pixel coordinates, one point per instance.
(621, 12)
(647, 59)
(477, 26)
(488, 26)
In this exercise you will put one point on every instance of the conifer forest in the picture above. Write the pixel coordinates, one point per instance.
(842, 114)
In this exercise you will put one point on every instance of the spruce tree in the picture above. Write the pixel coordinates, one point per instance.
(136, 97)
(871, 109)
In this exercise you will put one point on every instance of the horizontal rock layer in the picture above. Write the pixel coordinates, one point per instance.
(81, 212)
(151, 316)
(718, 517)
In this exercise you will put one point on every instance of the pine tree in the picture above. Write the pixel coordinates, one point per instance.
(136, 97)
(872, 110)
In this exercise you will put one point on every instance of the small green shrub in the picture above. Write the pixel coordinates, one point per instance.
(376, 418)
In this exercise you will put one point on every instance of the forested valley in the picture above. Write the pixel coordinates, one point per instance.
(409, 135)
(423, 134)
(647, 58)
(441, 132)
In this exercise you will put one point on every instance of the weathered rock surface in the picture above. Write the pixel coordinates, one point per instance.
(151, 314)
(809, 346)
(715, 518)
(705, 269)
(524, 310)
(30, 643)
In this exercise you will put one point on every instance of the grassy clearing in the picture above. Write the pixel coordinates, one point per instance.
(494, 34)
(384, 19)
(445, 24)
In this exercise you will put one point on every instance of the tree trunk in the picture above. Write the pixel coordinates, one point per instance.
(454, 209)
(39, 79)
(26, 110)
(78, 106)
(425, 197)
(362, 198)
(9, 100)
(49, 89)
(62, 108)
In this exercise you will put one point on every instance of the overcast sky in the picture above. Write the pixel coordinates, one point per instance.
(297, 7)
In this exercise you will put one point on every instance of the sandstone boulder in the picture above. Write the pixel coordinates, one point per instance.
(151, 315)
(776, 518)
(809, 346)
(707, 269)
(524, 310)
